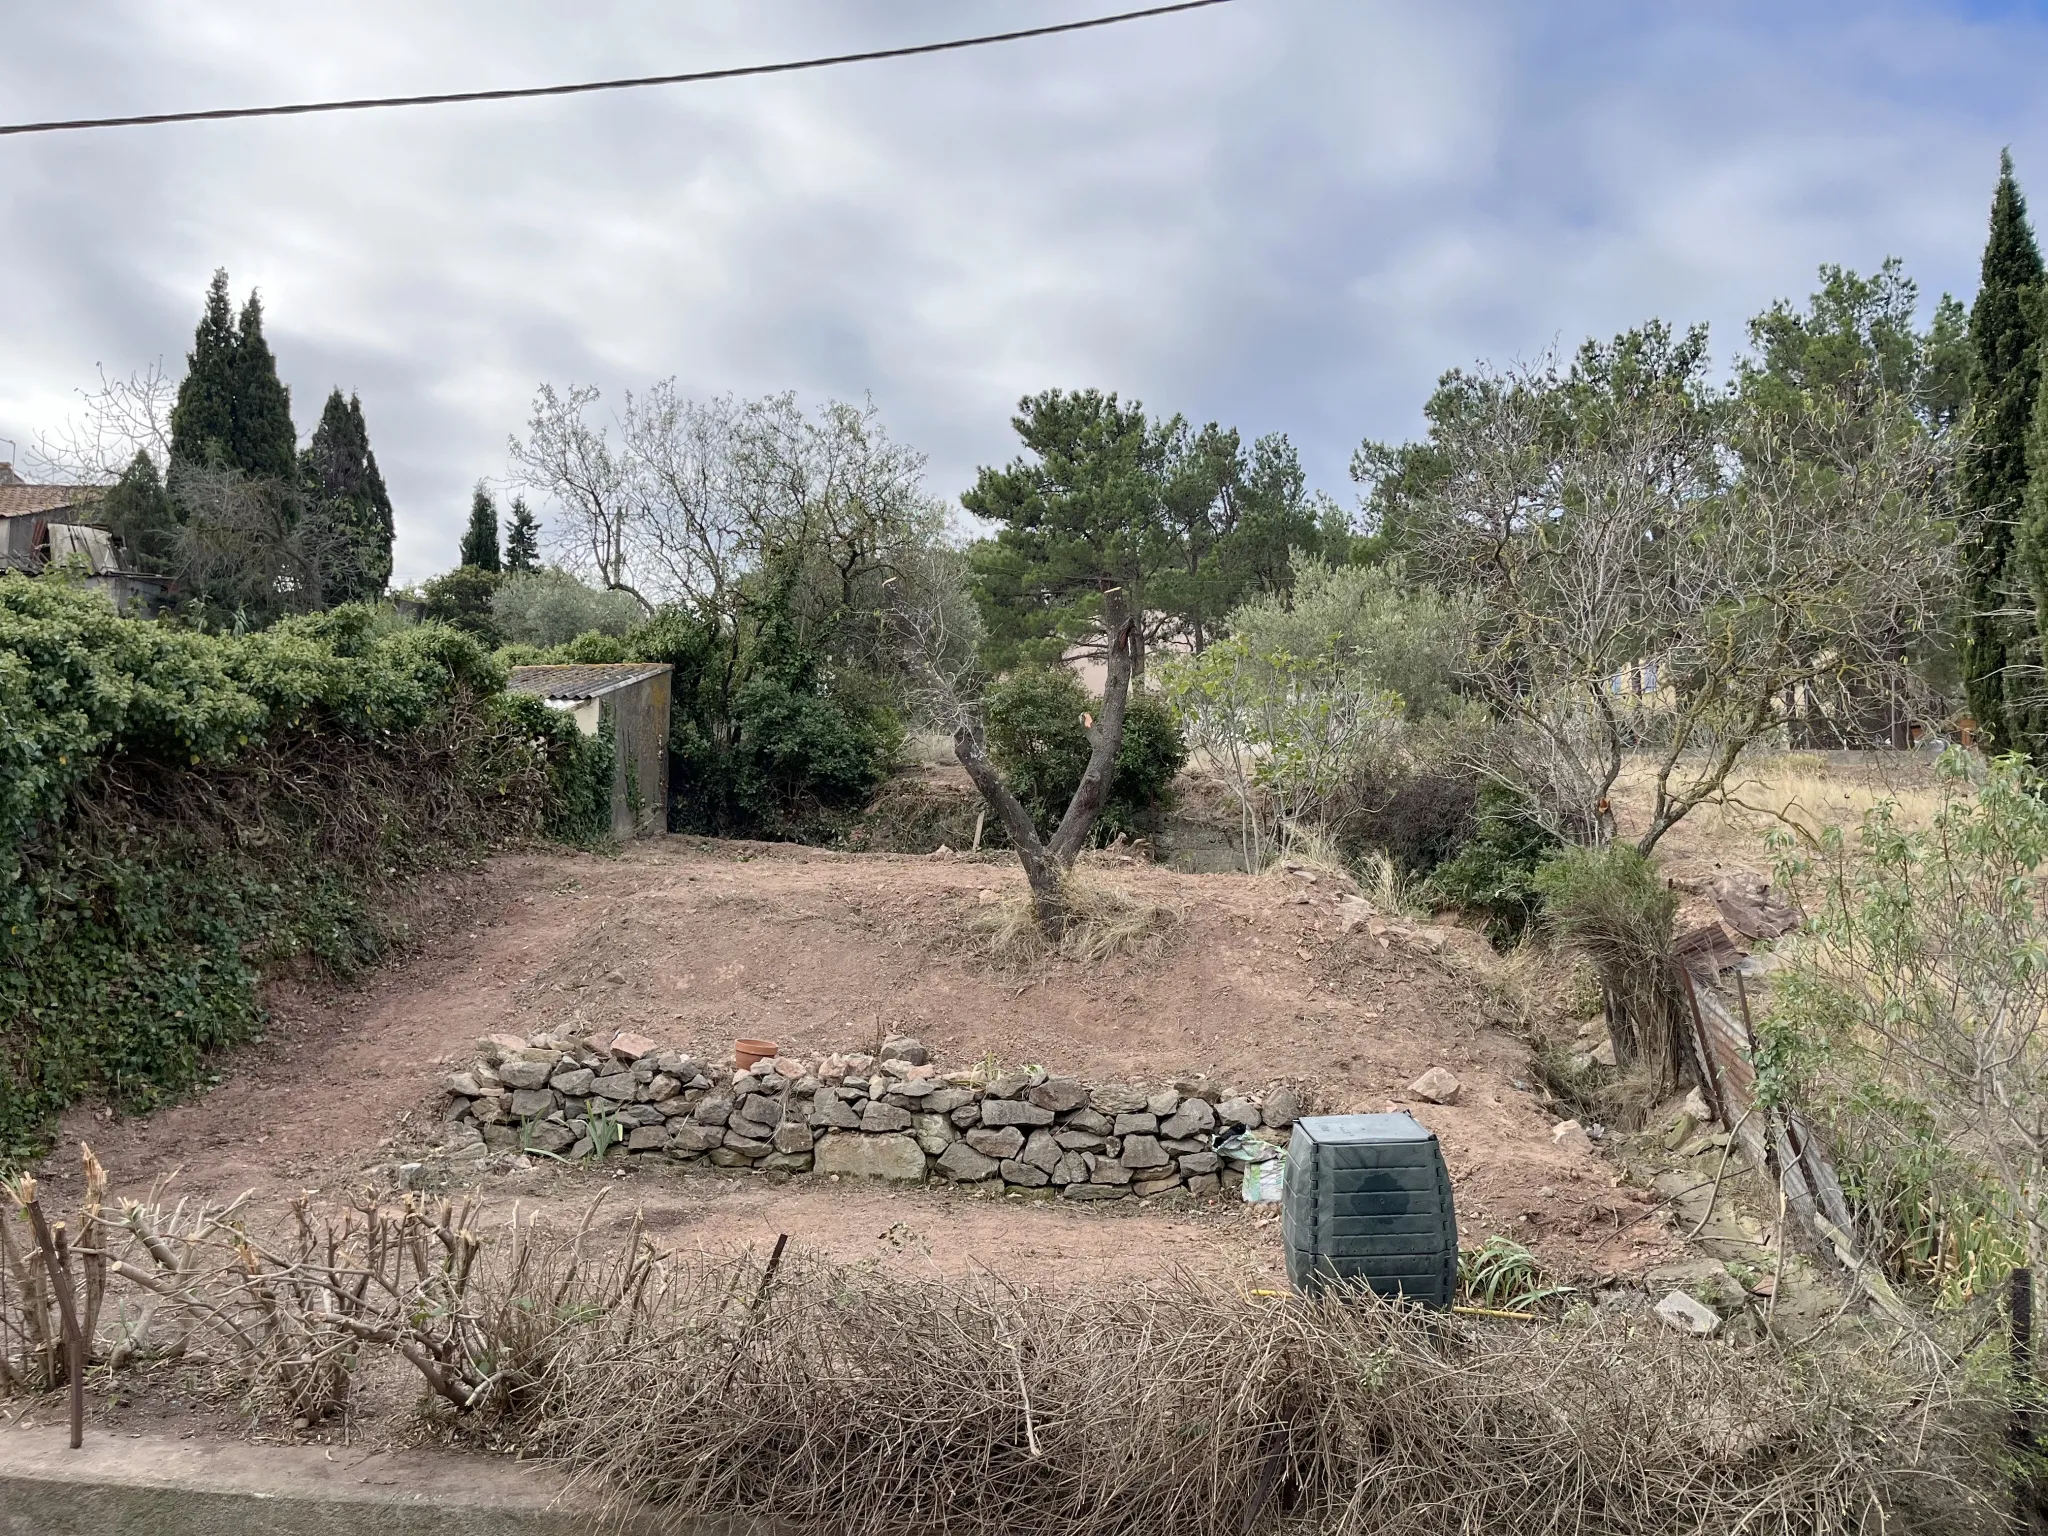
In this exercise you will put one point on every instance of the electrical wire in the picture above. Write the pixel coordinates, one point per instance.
(522, 93)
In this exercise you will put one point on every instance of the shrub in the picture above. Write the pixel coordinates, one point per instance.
(1909, 1019)
(180, 812)
(1420, 816)
(1494, 874)
(462, 599)
(768, 744)
(1036, 738)
(550, 608)
(1611, 903)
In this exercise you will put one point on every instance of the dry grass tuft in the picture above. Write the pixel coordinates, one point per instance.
(1105, 922)
(843, 1400)
(824, 1398)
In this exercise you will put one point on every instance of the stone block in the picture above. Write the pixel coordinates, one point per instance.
(1200, 1162)
(694, 1138)
(1144, 1152)
(961, 1162)
(996, 1141)
(1041, 1151)
(1239, 1112)
(1013, 1112)
(1193, 1118)
(532, 1103)
(573, 1082)
(1058, 1094)
(870, 1157)
(1281, 1108)
(1141, 1123)
(879, 1117)
(793, 1136)
(519, 1073)
(1015, 1172)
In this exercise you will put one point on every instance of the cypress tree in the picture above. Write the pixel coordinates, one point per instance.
(141, 514)
(349, 502)
(265, 441)
(2006, 379)
(203, 419)
(522, 538)
(480, 541)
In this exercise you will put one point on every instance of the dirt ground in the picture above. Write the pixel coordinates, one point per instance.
(697, 942)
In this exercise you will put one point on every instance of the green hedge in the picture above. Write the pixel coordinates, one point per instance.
(182, 813)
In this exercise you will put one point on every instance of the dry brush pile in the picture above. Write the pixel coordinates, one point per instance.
(832, 1397)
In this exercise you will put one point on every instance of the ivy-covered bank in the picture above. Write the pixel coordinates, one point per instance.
(181, 812)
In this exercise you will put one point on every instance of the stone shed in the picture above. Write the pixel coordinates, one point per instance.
(631, 700)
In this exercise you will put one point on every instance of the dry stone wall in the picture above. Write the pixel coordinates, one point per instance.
(895, 1115)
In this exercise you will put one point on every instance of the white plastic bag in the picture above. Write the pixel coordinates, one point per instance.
(1265, 1182)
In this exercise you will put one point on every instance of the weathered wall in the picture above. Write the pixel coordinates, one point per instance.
(897, 1117)
(639, 716)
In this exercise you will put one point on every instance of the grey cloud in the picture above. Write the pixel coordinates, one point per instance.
(1290, 214)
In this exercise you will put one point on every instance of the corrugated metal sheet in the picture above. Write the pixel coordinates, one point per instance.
(581, 681)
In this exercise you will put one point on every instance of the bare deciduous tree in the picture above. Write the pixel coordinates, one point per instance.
(120, 419)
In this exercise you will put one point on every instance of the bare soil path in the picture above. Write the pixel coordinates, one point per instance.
(695, 942)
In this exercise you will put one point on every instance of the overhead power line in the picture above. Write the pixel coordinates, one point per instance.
(523, 93)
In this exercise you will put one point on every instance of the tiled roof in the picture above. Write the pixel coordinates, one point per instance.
(17, 499)
(581, 681)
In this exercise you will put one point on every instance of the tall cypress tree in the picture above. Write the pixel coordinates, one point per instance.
(349, 502)
(203, 419)
(2006, 379)
(480, 540)
(232, 411)
(522, 538)
(265, 441)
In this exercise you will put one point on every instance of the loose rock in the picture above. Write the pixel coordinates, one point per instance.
(1437, 1086)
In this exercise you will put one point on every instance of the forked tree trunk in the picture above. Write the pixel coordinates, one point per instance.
(1047, 861)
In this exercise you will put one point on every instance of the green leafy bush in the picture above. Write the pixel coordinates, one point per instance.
(180, 812)
(1036, 738)
(768, 742)
(1908, 1020)
(1494, 875)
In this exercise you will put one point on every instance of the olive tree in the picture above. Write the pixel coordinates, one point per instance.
(1651, 566)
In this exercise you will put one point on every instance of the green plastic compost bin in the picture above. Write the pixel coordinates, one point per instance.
(1368, 1202)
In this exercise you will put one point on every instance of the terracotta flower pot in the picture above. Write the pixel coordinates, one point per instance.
(746, 1052)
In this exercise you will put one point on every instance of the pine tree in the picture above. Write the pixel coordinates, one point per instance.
(347, 504)
(2006, 378)
(265, 441)
(203, 419)
(480, 541)
(522, 538)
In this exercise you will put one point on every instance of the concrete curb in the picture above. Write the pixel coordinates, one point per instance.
(121, 1486)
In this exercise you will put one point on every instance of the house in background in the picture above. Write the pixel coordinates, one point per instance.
(45, 525)
(632, 698)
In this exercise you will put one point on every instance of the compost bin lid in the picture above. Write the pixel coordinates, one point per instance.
(1353, 1129)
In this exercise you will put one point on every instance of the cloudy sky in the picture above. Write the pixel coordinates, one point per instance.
(1284, 214)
